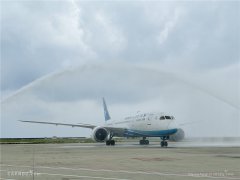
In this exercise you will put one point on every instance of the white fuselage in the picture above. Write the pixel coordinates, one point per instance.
(147, 124)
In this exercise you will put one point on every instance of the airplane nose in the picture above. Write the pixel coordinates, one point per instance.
(172, 125)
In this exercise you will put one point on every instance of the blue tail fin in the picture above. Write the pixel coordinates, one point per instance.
(106, 113)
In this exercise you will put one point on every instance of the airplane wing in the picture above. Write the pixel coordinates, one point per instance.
(116, 131)
(62, 124)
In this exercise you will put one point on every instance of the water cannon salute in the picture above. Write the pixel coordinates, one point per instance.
(85, 54)
(120, 90)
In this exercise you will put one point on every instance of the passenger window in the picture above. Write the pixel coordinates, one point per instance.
(167, 117)
(162, 118)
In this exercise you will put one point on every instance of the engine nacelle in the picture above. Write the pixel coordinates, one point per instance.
(100, 134)
(178, 136)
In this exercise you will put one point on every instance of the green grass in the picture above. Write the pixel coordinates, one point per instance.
(44, 140)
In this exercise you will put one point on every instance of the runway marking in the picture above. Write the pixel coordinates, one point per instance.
(125, 171)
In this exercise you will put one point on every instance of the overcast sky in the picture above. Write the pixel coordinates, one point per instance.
(59, 58)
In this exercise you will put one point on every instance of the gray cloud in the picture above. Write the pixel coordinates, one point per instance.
(187, 35)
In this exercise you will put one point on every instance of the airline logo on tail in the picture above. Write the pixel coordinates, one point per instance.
(106, 113)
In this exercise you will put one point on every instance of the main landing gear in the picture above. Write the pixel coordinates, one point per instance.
(110, 142)
(164, 142)
(144, 141)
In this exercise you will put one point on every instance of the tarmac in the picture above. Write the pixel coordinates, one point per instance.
(125, 161)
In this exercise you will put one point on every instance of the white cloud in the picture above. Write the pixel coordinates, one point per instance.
(164, 16)
(168, 27)
(115, 38)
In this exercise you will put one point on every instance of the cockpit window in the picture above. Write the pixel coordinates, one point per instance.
(162, 118)
(168, 117)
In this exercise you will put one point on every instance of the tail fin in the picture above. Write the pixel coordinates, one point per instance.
(106, 113)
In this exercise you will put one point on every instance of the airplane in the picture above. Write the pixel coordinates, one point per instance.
(141, 125)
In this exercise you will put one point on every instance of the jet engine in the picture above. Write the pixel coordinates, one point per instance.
(178, 136)
(100, 134)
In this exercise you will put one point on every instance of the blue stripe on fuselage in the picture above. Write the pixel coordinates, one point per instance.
(137, 133)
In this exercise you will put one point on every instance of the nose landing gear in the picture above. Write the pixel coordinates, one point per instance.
(164, 142)
(110, 142)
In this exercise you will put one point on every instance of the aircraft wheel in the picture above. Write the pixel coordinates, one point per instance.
(162, 143)
(112, 142)
(147, 142)
(165, 143)
(108, 142)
